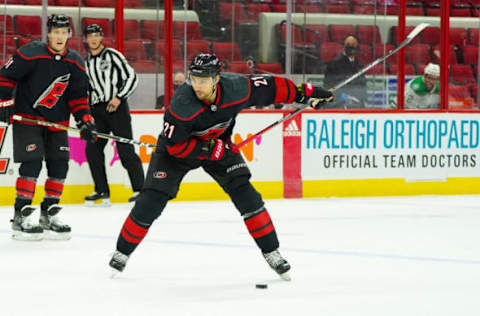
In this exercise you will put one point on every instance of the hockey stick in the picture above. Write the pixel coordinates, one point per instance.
(77, 130)
(302, 107)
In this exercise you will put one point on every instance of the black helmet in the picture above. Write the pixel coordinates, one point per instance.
(205, 65)
(92, 28)
(57, 21)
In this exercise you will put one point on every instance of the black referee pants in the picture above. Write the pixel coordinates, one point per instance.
(118, 123)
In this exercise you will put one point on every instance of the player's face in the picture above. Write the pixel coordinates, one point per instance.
(57, 39)
(203, 86)
(94, 40)
(430, 81)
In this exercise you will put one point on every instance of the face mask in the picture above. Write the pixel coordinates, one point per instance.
(351, 50)
(175, 86)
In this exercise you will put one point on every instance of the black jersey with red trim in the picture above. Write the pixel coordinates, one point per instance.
(189, 122)
(49, 86)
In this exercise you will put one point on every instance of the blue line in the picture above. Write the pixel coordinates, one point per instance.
(301, 250)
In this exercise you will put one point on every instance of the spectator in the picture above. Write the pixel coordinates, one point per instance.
(354, 94)
(178, 80)
(423, 92)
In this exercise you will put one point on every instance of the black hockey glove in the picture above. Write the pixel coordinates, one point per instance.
(315, 96)
(7, 109)
(88, 129)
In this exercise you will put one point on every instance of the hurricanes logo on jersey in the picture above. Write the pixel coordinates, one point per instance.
(51, 95)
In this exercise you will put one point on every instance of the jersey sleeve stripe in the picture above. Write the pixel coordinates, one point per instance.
(282, 90)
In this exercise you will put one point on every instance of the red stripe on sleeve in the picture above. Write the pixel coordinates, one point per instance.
(177, 148)
(72, 103)
(293, 91)
(281, 90)
(7, 84)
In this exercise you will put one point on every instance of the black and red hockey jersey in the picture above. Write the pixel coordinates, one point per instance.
(189, 122)
(45, 85)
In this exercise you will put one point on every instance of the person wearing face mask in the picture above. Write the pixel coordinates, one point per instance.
(423, 92)
(354, 94)
(178, 80)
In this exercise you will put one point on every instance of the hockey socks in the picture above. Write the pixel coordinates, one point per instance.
(25, 188)
(260, 227)
(131, 235)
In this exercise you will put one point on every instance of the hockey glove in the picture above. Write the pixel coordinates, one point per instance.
(315, 96)
(7, 109)
(217, 147)
(88, 128)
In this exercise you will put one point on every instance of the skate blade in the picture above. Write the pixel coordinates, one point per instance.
(17, 235)
(114, 273)
(285, 276)
(51, 235)
(98, 203)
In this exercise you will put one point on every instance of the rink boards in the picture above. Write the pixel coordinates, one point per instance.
(313, 155)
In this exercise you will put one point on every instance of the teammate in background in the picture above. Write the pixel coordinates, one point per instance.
(197, 133)
(423, 92)
(178, 80)
(50, 83)
(111, 81)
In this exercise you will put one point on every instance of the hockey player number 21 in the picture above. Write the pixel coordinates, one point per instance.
(168, 130)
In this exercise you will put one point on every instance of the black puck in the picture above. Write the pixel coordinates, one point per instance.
(261, 286)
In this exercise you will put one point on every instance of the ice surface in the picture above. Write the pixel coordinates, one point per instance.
(350, 256)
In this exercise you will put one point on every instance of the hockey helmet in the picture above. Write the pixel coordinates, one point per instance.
(92, 28)
(58, 21)
(205, 65)
(432, 70)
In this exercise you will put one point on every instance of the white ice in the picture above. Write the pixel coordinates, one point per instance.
(350, 256)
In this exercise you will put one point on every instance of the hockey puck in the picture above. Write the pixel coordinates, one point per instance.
(261, 286)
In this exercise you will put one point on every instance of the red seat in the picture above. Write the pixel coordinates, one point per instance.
(368, 34)
(78, 45)
(131, 29)
(339, 32)
(470, 54)
(310, 8)
(381, 50)
(8, 44)
(328, 51)
(135, 4)
(409, 69)
(279, 8)
(152, 29)
(316, 34)
(431, 35)
(227, 9)
(364, 9)
(103, 23)
(473, 36)
(433, 11)
(195, 47)
(462, 74)
(36, 2)
(144, 66)
(379, 69)
(297, 37)
(458, 36)
(226, 51)
(29, 26)
(100, 3)
(15, 1)
(436, 55)
(337, 8)
(417, 11)
(269, 68)
(459, 93)
(408, 29)
(6, 24)
(366, 55)
(159, 48)
(69, 3)
(240, 67)
(417, 54)
(193, 30)
(254, 9)
(134, 50)
(461, 12)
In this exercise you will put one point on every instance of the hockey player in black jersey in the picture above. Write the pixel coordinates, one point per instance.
(51, 84)
(197, 133)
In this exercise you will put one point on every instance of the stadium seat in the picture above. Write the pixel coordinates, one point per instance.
(24, 40)
(364, 9)
(152, 30)
(461, 12)
(240, 67)
(431, 35)
(103, 23)
(144, 66)
(337, 8)
(328, 51)
(459, 91)
(254, 9)
(193, 30)
(134, 4)
(316, 34)
(297, 37)
(8, 44)
(433, 11)
(462, 74)
(15, 2)
(339, 32)
(35, 2)
(77, 44)
(131, 29)
(226, 9)
(415, 11)
(473, 36)
(420, 69)
(474, 92)
(462, 98)
(379, 69)
(458, 36)
(418, 54)
(134, 50)
(29, 26)
(69, 3)
(309, 8)
(369, 34)
(195, 47)
(279, 8)
(408, 29)
(470, 55)
(226, 51)
(6, 24)
(436, 55)
(100, 3)
(366, 55)
(381, 50)
(269, 68)
(159, 48)
(409, 69)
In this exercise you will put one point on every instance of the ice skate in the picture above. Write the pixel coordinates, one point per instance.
(98, 199)
(118, 262)
(22, 227)
(278, 264)
(134, 197)
(52, 226)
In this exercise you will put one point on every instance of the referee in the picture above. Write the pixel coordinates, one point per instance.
(111, 81)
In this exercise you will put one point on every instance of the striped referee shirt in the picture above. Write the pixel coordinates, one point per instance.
(110, 76)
